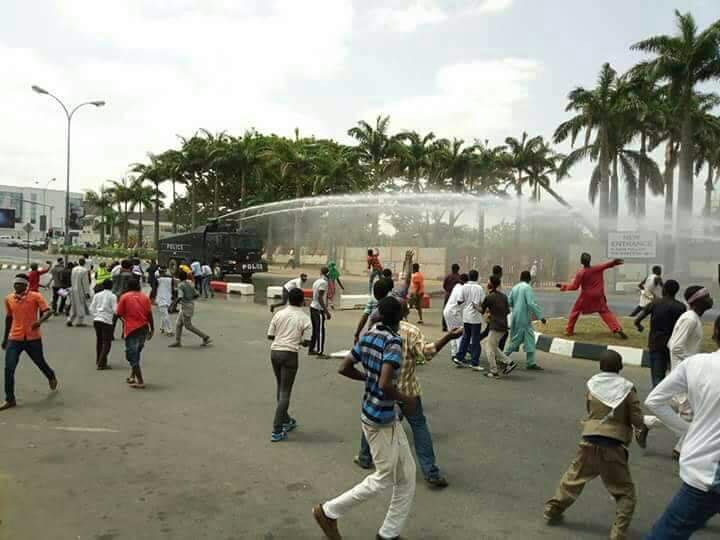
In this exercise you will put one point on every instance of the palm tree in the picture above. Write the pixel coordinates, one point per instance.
(142, 196)
(102, 201)
(684, 60)
(707, 154)
(156, 173)
(195, 167)
(595, 111)
(376, 148)
(414, 155)
(120, 193)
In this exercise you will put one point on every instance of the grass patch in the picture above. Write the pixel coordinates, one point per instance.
(590, 329)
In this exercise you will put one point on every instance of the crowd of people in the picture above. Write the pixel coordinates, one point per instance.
(685, 396)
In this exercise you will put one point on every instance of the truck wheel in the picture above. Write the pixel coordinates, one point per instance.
(246, 278)
(172, 266)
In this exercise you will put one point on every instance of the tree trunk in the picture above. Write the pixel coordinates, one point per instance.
(707, 208)
(296, 228)
(126, 239)
(642, 179)
(174, 212)
(191, 190)
(614, 195)
(481, 230)
(519, 211)
(269, 241)
(685, 179)
(243, 187)
(669, 180)
(216, 202)
(156, 234)
(102, 226)
(604, 181)
(139, 241)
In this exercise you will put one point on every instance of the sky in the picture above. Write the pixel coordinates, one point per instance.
(473, 69)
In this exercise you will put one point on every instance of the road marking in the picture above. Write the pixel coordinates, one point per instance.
(87, 429)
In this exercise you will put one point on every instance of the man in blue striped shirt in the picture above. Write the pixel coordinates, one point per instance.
(380, 353)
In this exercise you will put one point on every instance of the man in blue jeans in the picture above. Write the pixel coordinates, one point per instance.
(415, 350)
(135, 310)
(698, 499)
(25, 311)
(472, 316)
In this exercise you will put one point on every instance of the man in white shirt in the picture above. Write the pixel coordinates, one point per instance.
(684, 342)
(533, 273)
(472, 318)
(698, 499)
(207, 273)
(102, 309)
(196, 269)
(163, 299)
(297, 283)
(650, 289)
(452, 312)
(289, 330)
(319, 313)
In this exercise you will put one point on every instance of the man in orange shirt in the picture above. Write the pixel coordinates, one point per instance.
(417, 290)
(135, 309)
(22, 333)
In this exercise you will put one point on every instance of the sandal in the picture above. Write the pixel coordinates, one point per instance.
(137, 385)
(130, 380)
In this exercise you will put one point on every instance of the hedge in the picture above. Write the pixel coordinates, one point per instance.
(111, 253)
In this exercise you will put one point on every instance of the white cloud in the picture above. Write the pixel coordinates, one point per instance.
(407, 16)
(470, 100)
(164, 70)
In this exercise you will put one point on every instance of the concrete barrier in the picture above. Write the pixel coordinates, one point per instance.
(246, 289)
(274, 291)
(352, 301)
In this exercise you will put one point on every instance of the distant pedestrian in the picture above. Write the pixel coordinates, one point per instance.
(524, 309)
(650, 289)
(152, 278)
(102, 274)
(497, 308)
(135, 310)
(64, 308)
(56, 282)
(472, 317)
(291, 262)
(533, 274)
(102, 308)
(296, 283)
(80, 291)
(380, 353)
(196, 269)
(289, 330)
(207, 275)
(374, 267)
(698, 499)
(34, 276)
(452, 312)
(497, 271)
(417, 291)
(121, 279)
(164, 299)
(452, 279)
(664, 313)
(25, 312)
(319, 313)
(186, 300)
(333, 283)
(613, 411)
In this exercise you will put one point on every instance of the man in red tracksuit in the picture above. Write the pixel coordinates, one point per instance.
(590, 281)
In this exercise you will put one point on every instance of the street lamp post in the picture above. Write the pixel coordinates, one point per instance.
(69, 114)
(45, 201)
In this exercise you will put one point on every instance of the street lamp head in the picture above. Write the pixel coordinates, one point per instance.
(98, 103)
(39, 90)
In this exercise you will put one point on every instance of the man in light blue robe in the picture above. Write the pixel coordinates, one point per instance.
(524, 309)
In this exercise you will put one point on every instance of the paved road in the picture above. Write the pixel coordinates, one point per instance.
(190, 456)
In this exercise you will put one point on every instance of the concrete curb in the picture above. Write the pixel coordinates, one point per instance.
(631, 356)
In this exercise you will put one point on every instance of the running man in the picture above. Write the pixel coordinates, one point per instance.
(186, 299)
(333, 283)
(452, 279)
(102, 308)
(80, 294)
(56, 281)
(472, 318)
(650, 289)
(289, 330)
(25, 312)
(452, 312)
(497, 308)
(297, 283)
(164, 299)
(524, 308)
(319, 313)
(380, 353)
(590, 281)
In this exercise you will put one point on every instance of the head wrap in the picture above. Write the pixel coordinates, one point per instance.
(22, 280)
(702, 293)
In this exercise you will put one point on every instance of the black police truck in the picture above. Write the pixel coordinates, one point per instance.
(225, 248)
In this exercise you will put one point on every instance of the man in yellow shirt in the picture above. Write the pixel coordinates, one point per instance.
(22, 333)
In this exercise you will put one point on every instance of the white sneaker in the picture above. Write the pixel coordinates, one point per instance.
(478, 368)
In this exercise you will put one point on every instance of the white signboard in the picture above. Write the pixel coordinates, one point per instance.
(632, 245)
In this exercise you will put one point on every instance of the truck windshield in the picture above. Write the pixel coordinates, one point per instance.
(243, 242)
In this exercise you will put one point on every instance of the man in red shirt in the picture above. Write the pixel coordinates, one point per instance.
(417, 291)
(590, 281)
(33, 276)
(135, 310)
(22, 333)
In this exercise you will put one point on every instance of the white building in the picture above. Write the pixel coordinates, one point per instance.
(43, 208)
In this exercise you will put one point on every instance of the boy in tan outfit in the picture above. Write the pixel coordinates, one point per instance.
(613, 411)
